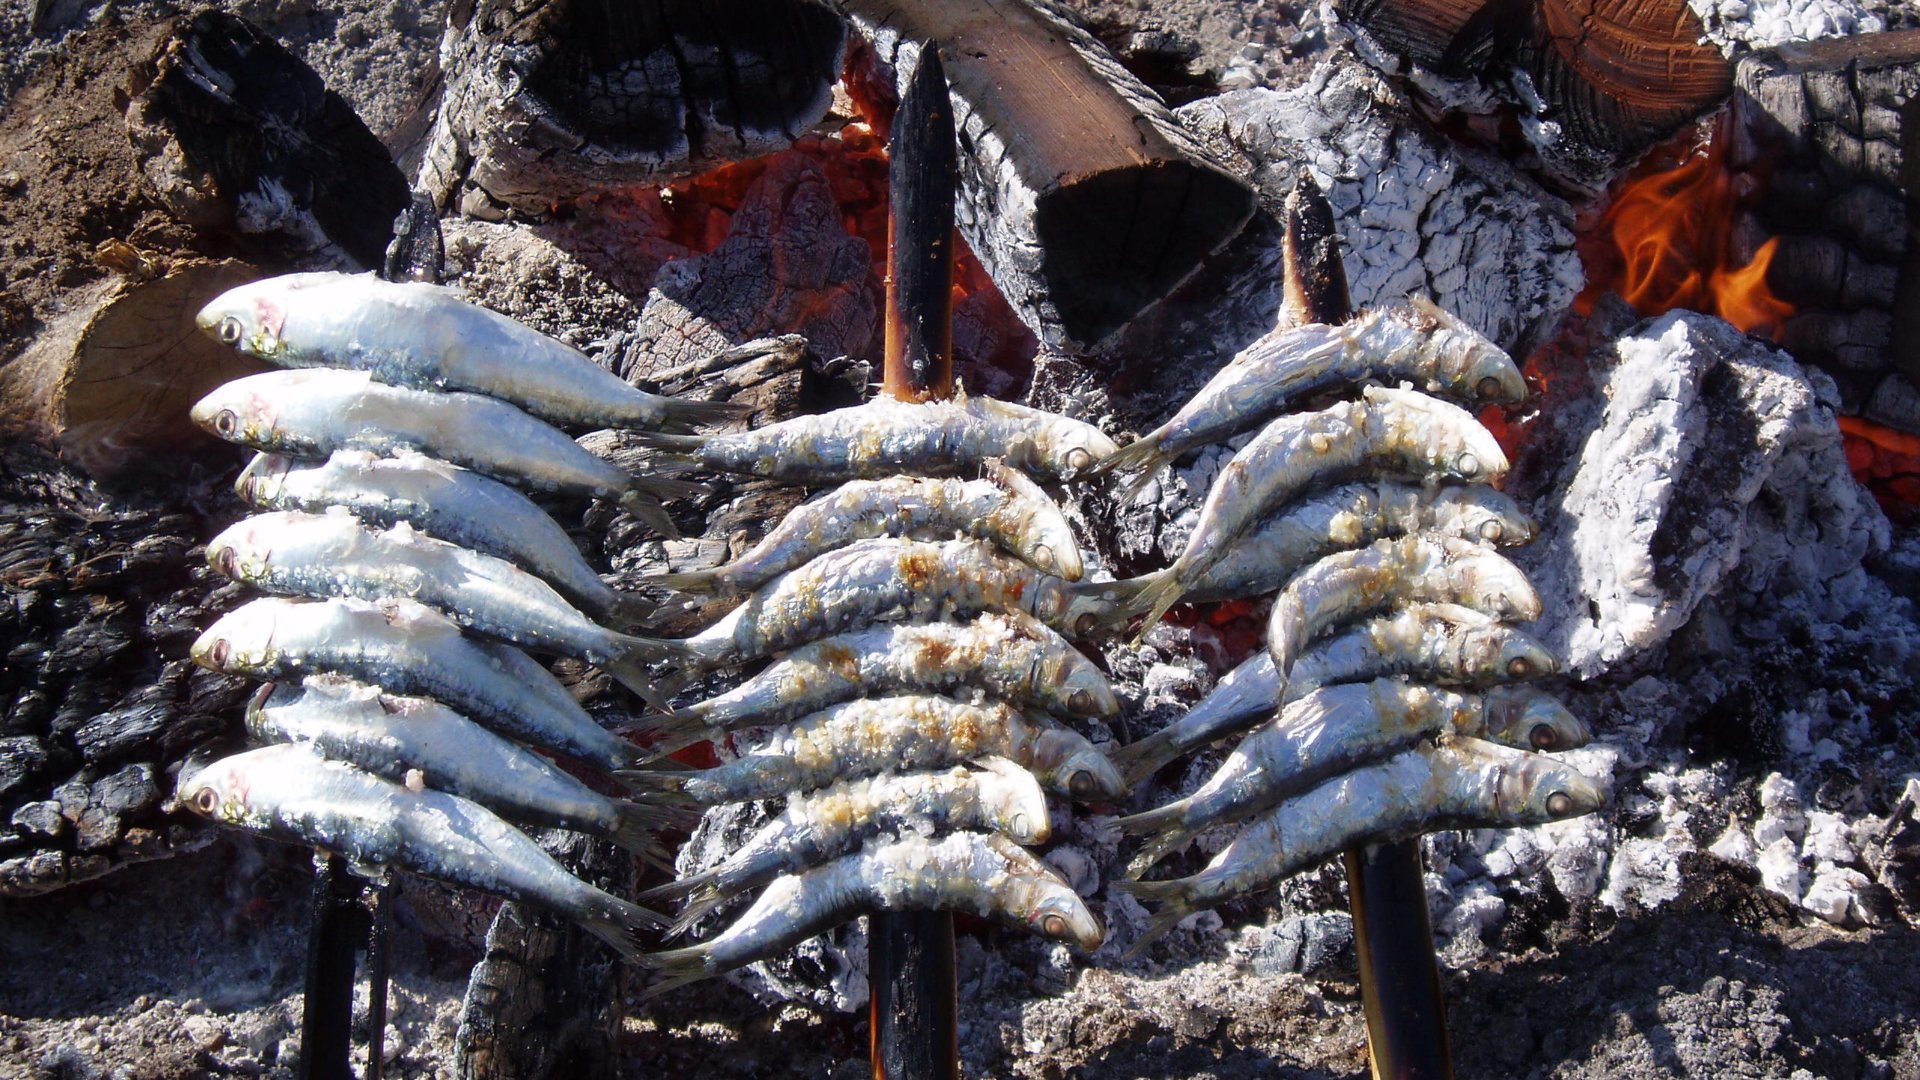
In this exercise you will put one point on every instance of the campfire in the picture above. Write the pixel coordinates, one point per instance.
(1692, 238)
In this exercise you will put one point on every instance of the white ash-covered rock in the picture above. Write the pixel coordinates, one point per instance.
(1715, 465)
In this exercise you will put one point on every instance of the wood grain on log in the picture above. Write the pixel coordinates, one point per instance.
(546, 101)
(1082, 196)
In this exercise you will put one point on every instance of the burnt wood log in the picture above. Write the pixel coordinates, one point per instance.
(1826, 131)
(548, 101)
(1084, 199)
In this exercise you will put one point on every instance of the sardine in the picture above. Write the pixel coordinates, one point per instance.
(1013, 657)
(1386, 573)
(825, 825)
(445, 501)
(290, 793)
(980, 873)
(408, 648)
(904, 733)
(428, 337)
(1460, 783)
(884, 437)
(1416, 342)
(335, 555)
(1432, 642)
(1396, 430)
(1339, 728)
(884, 579)
(312, 413)
(389, 735)
(1007, 510)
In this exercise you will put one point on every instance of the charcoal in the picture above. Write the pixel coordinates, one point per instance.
(118, 732)
(41, 819)
(21, 759)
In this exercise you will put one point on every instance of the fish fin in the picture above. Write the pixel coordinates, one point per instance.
(1156, 597)
(630, 609)
(657, 786)
(643, 505)
(677, 890)
(619, 923)
(682, 414)
(699, 905)
(1142, 453)
(629, 665)
(1173, 907)
(677, 968)
(670, 487)
(684, 446)
(664, 733)
(1141, 759)
(637, 827)
(1156, 849)
(1154, 820)
(693, 581)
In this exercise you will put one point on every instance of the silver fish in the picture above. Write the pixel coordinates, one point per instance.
(903, 733)
(389, 735)
(824, 825)
(1437, 642)
(1007, 510)
(984, 874)
(1398, 430)
(1013, 657)
(334, 554)
(1416, 342)
(1386, 573)
(312, 413)
(445, 501)
(1338, 728)
(884, 437)
(1461, 783)
(428, 337)
(291, 793)
(894, 580)
(409, 648)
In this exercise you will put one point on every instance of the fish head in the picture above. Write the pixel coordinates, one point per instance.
(242, 550)
(239, 412)
(1476, 512)
(1526, 718)
(1070, 681)
(1046, 538)
(241, 641)
(1069, 765)
(1049, 906)
(1013, 802)
(264, 480)
(1498, 653)
(1468, 361)
(250, 318)
(1082, 612)
(1533, 788)
(1431, 436)
(217, 791)
(1074, 446)
(1490, 582)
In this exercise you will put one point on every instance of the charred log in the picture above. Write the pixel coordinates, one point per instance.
(545, 101)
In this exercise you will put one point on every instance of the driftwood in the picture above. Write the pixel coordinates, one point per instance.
(547, 101)
(1829, 129)
(1084, 199)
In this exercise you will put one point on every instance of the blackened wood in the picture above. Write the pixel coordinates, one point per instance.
(339, 929)
(379, 905)
(1315, 278)
(417, 251)
(922, 172)
(914, 1007)
(1082, 196)
(1399, 974)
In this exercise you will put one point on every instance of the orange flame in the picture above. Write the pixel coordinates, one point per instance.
(1667, 242)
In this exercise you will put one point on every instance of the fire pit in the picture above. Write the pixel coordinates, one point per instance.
(1727, 550)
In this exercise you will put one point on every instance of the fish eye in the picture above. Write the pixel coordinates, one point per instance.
(1559, 804)
(1519, 667)
(219, 653)
(231, 331)
(227, 561)
(1054, 926)
(226, 423)
(1492, 531)
(1543, 737)
(1466, 464)
(1018, 823)
(1081, 702)
(1084, 626)
(1078, 458)
(1489, 387)
(1081, 785)
(1042, 555)
(206, 801)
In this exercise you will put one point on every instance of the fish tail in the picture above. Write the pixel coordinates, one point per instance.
(619, 923)
(664, 733)
(637, 827)
(629, 662)
(678, 890)
(677, 968)
(699, 905)
(682, 414)
(657, 786)
(1156, 597)
(1142, 454)
(645, 506)
(685, 448)
(1154, 820)
(1139, 760)
(629, 609)
(1173, 906)
(693, 581)
(1156, 849)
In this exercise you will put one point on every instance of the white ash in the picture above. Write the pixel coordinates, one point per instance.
(1738, 25)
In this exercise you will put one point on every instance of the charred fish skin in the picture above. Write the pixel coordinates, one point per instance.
(1416, 568)
(315, 411)
(442, 500)
(291, 793)
(883, 437)
(409, 648)
(983, 874)
(878, 579)
(1003, 798)
(427, 337)
(1417, 342)
(1010, 656)
(389, 735)
(1335, 729)
(335, 555)
(1398, 430)
(1460, 783)
(900, 733)
(1011, 518)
